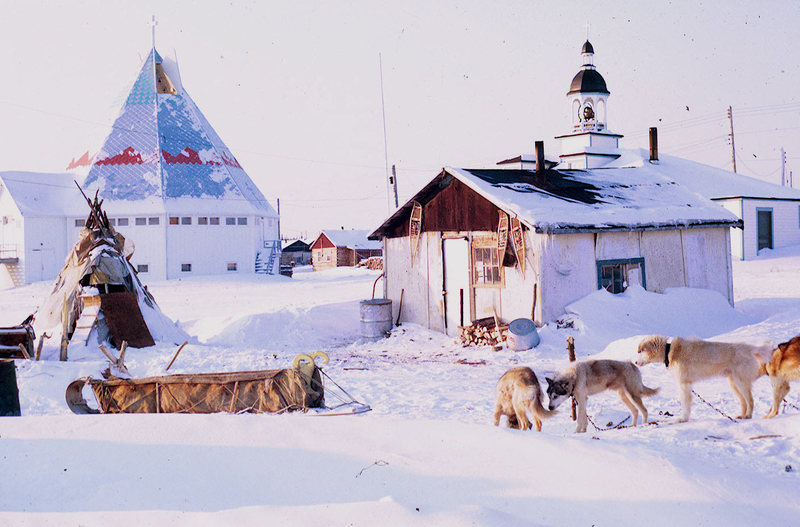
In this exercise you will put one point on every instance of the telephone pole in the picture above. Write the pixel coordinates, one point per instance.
(733, 146)
(783, 167)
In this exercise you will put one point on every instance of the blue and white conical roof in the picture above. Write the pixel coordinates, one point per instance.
(162, 155)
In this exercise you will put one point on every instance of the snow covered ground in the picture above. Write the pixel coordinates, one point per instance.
(427, 453)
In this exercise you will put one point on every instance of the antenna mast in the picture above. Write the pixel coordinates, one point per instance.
(733, 147)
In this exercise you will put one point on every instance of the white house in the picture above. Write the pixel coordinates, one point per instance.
(168, 183)
(520, 242)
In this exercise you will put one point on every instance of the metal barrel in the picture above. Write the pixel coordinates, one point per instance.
(376, 318)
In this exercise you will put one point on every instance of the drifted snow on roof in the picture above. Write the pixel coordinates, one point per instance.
(161, 146)
(354, 239)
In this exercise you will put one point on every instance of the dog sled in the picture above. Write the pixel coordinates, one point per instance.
(300, 388)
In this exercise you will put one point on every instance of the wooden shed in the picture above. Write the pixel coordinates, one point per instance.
(342, 248)
(523, 243)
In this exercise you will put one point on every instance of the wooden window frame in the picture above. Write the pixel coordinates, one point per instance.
(639, 262)
(482, 245)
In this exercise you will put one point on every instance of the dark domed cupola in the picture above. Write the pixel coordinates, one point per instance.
(589, 144)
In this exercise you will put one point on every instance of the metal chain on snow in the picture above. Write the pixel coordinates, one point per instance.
(615, 427)
(714, 407)
(785, 403)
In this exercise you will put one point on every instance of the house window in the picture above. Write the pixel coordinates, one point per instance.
(112, 222)
(79, 223)
(122, 222)
(616, 275)
(142, 268)
(173, 220)
(141, 221)
(152, 221)
(241, 221)
(232, 266)
(487, 268)
(214, 221)
(186, 268)
(230, 221)
(186, 221)
(202, 220)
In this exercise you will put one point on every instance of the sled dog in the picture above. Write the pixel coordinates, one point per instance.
(784, 366)
(691, 360)
(518, 390)
(584, 378)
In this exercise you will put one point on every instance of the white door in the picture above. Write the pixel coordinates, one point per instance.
(456, 284)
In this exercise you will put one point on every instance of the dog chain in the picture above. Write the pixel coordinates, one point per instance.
(615, 427)
(714, 407)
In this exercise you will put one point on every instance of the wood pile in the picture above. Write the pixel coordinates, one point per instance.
(373, 262)
(483, 332)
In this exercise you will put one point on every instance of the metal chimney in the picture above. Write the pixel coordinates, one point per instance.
(653, 144)
(539, 178)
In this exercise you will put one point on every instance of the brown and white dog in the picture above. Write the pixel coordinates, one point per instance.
(784, 366)
(517, 391)
(691, 360)
(584, 378)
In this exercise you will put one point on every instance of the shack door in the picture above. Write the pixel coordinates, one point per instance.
(456, 284)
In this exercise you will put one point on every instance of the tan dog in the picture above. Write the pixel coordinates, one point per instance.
(518, 390)
(584, 378)
(784, 366)
(691, 360)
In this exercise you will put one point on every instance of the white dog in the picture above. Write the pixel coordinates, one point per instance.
(691, 360)
(584, 378)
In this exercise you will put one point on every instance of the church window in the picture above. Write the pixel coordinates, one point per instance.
(214, 221)
(122, 222)
(241, 221)
(152, 221)
(202, 220)
(142, 268)
(230, 221)
(232, 266)
(141, 221)
(186, 220)
(186, 268)
(173, 220)
(80, 223)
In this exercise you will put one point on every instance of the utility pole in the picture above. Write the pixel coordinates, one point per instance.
(783, 167)
(385, 144)
(733, 146)
(393, 181)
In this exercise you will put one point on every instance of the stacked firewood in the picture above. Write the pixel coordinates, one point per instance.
(483, 332)
(374, 263)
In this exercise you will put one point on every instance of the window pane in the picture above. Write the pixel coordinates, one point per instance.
(214, 221)
(241, 221)
(142, 268)
(152, 221)
(122, 222)
(186, 221)
(141, 221)
(230, 221)
(202, 221)
(173, 220)
(186, 268)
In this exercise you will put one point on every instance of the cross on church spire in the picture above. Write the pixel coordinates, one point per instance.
(153, 24)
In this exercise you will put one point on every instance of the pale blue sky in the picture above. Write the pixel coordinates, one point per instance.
(293, 88)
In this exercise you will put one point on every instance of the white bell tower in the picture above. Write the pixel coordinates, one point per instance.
(589, 143)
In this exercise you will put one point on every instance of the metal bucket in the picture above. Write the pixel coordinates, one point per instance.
(522, 335)
(376, 318)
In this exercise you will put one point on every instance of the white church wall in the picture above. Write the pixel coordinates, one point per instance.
(568, 271)
(45, 242)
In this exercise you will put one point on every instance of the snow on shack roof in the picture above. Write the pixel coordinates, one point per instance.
(354, 239)
(600, 199)
(708, 181)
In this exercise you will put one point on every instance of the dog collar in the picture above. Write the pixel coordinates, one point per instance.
(666, 354)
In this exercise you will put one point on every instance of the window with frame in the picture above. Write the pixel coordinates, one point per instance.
(186, 268)
(233, 266)
(186, 220)
(214, 221)
(487, 267)
(230, 221)
(616, 275)
(174, 220)
(143, 268)
(241, 221)
(122, 222)
(78, 223)
(141, 221)
(152, 221)
(202, 220)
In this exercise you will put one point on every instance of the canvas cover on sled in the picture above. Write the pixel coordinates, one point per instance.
(254, 391)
